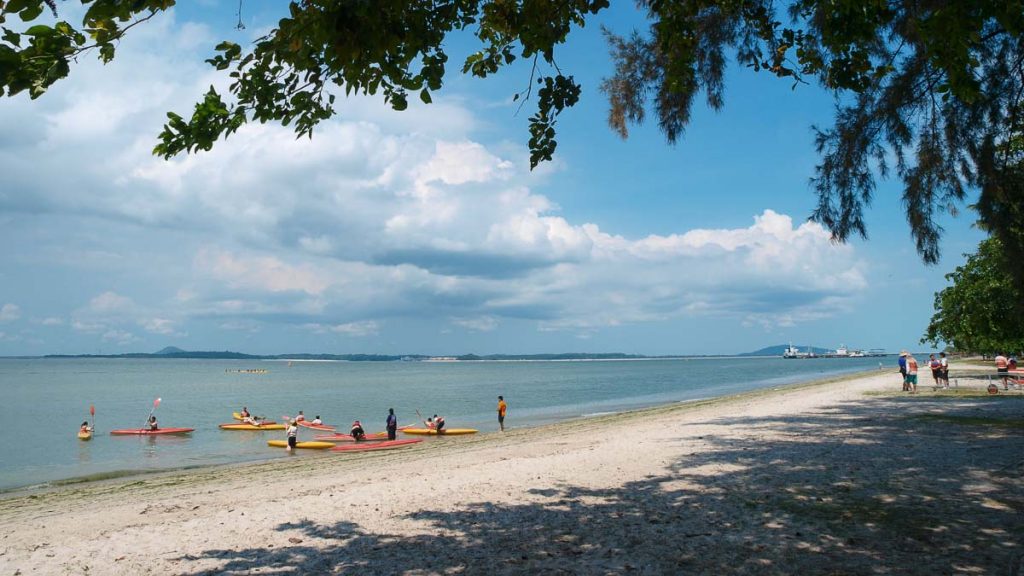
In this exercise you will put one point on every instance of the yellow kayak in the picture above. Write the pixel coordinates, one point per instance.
(306, 445)
(240, 426)
(84, 435)
(445, 432)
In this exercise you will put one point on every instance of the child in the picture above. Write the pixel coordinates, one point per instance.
(301, 417)
(152, 423)
(85, 427)
(317, 420)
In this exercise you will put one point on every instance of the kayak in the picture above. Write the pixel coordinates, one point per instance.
(84, 435)
(307, 445)
(312, 426)
(376, 436)
(364, 446)
(238, 416)
(241, 426)
(444, 432)
(148, 432)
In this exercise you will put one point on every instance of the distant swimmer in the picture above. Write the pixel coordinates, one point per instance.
(502, 408)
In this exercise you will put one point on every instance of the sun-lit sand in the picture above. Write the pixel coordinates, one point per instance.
(842, 477)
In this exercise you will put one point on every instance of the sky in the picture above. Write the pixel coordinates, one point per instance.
(425, 231)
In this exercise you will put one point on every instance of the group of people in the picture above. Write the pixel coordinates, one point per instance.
(1005, 365)
(357, 432)
(909, 368)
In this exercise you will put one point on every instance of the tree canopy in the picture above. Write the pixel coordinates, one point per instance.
(929, 90)
(978, 312)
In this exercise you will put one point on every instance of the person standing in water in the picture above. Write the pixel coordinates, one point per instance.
(391, 424)
(292, 432)
(502, 407)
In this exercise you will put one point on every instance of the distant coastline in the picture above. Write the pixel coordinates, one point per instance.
(172, 352)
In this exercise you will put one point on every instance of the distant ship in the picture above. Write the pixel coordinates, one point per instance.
(794, 352)
(841, 352)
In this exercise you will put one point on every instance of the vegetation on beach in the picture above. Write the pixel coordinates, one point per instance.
(977, 312)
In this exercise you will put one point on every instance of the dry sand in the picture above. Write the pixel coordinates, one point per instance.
(843, 477)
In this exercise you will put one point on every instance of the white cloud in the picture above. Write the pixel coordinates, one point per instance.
(355, 329)
(380, 215)
(478, 324)
(119, 337)
(9, 312)
(52, 321)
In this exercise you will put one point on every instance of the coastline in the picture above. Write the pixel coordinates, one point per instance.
(761, 481)
(545, 428)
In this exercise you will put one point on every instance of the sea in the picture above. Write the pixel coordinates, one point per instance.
(45, 400)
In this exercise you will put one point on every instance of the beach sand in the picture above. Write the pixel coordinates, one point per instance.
(843, 477)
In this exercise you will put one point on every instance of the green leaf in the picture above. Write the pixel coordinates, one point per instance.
(425, 96)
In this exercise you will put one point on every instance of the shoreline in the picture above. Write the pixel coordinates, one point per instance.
(844, 475)
(596, 418)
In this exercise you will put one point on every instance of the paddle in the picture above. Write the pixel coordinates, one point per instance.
(92, 412)
(155, 404)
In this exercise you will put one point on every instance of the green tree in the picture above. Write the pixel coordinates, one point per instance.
(929, 89)
(978, 312)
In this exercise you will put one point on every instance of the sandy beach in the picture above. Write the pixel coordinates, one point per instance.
(843, 477)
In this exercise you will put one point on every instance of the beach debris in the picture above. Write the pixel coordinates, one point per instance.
(295, 540)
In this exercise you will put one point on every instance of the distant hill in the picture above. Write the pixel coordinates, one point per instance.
(169, 350)
(778, 349)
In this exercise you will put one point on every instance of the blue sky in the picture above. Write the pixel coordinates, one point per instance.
(425, 231)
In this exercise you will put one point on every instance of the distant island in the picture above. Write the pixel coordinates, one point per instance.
(174, 352)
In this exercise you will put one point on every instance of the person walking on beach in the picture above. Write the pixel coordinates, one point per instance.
(502, 407)
(944, 369)
(293, 433)
(912, 373)
(903, 368)
(391, 424)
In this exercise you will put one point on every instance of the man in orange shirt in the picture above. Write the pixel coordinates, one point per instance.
(502, 407)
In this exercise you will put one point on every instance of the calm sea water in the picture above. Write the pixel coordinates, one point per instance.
(45, 400)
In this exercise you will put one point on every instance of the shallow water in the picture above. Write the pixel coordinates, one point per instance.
(45, 400)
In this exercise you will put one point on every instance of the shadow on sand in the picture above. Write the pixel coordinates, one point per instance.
(848, 492)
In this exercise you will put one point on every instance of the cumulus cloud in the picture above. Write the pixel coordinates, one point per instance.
(356, 329)
(379, 216)
(479, 324)
(9, 312)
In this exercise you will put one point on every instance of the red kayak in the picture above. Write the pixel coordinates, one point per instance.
(148, 432)
(375, 437)
(366, 446)
(312, 426)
